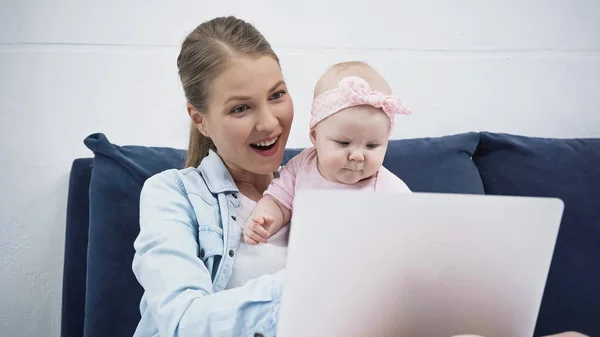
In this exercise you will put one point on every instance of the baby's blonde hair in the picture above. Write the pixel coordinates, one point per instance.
(330, 79)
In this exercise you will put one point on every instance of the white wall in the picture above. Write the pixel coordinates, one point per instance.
(71, 68)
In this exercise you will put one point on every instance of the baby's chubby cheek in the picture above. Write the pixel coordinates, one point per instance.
(332, 163)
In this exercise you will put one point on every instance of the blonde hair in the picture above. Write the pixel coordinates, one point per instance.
(336, 72)
(204, 55)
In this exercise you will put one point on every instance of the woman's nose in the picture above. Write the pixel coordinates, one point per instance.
(266, 120)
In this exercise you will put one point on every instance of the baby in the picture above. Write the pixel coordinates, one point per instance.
(351, 120)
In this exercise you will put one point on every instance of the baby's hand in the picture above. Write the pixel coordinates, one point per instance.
(258, 229)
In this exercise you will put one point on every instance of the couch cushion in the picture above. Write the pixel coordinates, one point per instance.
(76, 248)
(569, 170)
(440, 164)
(113, 293)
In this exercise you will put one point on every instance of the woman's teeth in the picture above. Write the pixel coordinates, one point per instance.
(269, 143)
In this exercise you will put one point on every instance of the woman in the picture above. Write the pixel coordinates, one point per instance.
(241, 116)
(199, 278)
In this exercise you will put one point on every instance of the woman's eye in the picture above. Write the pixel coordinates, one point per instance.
(239, 109)
(342, 143)
(278, 94)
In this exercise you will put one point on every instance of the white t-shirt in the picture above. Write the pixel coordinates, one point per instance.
(252, 261)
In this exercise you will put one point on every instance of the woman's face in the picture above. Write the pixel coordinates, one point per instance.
(249, 115)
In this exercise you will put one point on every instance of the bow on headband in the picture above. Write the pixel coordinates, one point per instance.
(353, 91)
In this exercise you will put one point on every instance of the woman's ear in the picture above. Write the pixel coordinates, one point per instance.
(313, 136)
(198, 119)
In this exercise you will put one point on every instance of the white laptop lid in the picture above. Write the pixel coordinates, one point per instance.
(376, 264)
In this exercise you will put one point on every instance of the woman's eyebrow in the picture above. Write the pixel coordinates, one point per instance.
(237, 98)
(280, 82)
(245, 98)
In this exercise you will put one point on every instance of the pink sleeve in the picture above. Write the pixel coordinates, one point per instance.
(389, 182)
(283, 188)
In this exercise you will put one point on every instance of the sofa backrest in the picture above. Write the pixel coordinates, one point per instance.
(568, 169)
(103, 286)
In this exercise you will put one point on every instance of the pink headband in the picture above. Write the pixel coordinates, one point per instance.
(353, 91)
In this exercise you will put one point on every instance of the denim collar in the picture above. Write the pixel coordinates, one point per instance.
(216, 175)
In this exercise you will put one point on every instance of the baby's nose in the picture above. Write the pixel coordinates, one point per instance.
(356, 155)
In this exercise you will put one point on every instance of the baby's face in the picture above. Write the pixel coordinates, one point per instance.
(351, 144)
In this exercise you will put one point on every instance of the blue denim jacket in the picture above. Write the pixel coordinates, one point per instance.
(184, 257)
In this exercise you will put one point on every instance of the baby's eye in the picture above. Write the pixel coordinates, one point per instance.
(239, 109)
(278, 94)
(342, 143)
(372, 146)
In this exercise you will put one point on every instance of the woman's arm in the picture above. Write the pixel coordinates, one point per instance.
(178, 286)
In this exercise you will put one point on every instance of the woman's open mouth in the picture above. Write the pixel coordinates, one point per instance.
(266, 148)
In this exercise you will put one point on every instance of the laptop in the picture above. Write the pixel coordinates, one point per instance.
(420, 264)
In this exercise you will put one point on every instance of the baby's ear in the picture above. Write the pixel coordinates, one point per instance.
(313, 136)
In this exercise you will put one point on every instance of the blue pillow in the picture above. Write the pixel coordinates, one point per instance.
(113, 293)
(568, 169)
(441, 165)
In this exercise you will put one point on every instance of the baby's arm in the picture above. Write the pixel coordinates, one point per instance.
(268, 217)
(274, 210)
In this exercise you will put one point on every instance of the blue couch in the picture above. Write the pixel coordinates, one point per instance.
(101, 294)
